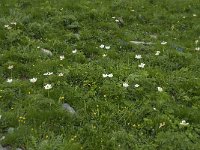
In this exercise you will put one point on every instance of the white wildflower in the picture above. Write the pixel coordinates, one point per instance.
(107, 47)
(141, 65)
(48, 73)
(160, 89)
(162, 124)
(197, 48)
(107, 75)
(10, 67)
(62, 57)
(184, 123)
(102, 46)
(104, 55)
(138, 56)
(116, 20)
(74, 51)
(60, 74)
(110, 75)
(136, 85)
(7, 27)
(157, 53)
(13, 23)
(47, 86)
(125, 85)
(163, 43)
(9, 80)
(194, 15)
(104, 75)
(33, 80)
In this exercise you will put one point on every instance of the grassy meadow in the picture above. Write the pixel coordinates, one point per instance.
(99, 74)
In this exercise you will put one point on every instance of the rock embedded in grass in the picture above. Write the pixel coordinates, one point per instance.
(11, 130)
(141, 42)
(5, 148)
(46, 52)
(67, 107)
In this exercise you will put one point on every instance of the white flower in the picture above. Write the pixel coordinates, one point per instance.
(102, 46)
(60, 74)
(154, 108)
(183, 122)
(33, 80)
(104, 55)
(47, 86)
(157, 53)
(9, 80)
(183, 17)
(162, 124)
(110, 75)
(197, 48)
(6, 26)
(125, 85)
(13, 23)
(113, 17)
(48, 73)
(138, 56)
(62, 57)
(196, 42)
(10, 67)
(160, 89)
(116, 20)
(107, 75)
(163, 43)
(141, 65)
(74, 51)
(136, 85)
(107, 47)
(104, 75)
(194, 15)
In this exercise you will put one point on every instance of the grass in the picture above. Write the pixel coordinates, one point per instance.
(108, 115)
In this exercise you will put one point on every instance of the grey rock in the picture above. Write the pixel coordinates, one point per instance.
(11, 130)
(67, 107)
(46, 52)
(153, 36)
(5, 148)
(141, 42)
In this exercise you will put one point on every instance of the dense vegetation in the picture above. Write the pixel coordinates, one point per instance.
(71, 79)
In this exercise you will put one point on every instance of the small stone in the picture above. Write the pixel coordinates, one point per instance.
(5, 148)
(46, 52)
(141, 43)
(11, 130)
(67, 107)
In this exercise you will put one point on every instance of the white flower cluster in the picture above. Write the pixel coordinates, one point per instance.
(107, 75)
(103, 46)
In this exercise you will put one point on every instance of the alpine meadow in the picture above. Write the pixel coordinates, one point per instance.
(99, 74)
